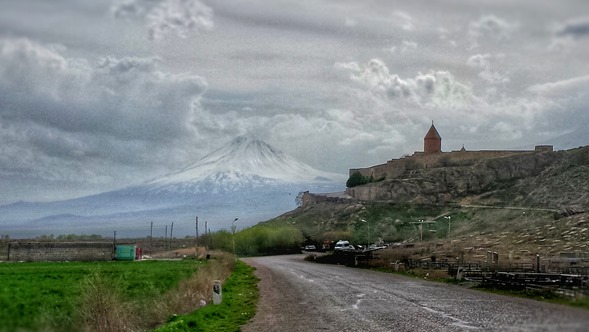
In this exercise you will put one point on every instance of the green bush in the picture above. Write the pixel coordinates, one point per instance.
(268, 240)
(357, 179)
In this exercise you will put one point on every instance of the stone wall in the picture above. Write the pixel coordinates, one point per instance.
(396, 168)
(434, 185)
(60, 251)
(310, 198)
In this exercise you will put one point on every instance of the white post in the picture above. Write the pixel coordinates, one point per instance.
(217, 292)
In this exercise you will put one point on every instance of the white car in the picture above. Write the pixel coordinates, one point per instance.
(343, 246)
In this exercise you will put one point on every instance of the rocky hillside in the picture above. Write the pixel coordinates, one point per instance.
(517, 206)
(553, 180)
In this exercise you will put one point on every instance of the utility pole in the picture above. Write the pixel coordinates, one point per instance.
(114, 245)
(233, 236)
(449, 222)
(206, 245)
(166, 236)
(151, 238)
(196, 238)
(171, 236)
(420, 222)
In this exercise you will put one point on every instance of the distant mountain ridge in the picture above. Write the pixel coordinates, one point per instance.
(247, 178)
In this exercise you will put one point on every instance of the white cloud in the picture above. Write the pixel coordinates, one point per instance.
(434, 89)
(483, 62)
(350, 22)
(404, 20)
(490, 27)
(576, 86)
(70, 116)
(180, 17)
(126, 9)
(406, 46)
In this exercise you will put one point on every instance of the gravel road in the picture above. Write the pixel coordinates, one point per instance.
(302, 296)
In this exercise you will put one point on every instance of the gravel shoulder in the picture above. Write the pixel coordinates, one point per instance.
(282, 305)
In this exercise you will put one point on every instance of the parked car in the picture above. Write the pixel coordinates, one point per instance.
(343, 245)
(310, 247)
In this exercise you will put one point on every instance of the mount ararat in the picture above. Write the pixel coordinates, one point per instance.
(246, 179)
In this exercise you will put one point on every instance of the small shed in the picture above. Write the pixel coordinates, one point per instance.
(125, 252)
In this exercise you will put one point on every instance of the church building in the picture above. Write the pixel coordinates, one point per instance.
(432, 142)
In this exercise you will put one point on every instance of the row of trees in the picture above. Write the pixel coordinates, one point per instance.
(257, 240)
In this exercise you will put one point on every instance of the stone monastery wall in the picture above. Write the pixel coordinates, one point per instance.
(396, 167)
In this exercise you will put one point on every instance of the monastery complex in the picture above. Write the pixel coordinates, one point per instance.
(433, 156)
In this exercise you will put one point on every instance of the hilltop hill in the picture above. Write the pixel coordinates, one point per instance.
(553, 180)
(517, 206)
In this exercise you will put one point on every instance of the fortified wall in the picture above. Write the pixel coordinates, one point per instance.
(432, 157)
(314, 198)
(60, 251)
(395, 168)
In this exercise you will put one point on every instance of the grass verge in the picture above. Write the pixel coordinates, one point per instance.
(240, 296)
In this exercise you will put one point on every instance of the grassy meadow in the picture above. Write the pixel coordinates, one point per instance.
(104, 296)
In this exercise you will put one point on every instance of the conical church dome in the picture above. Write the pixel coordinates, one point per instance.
(432, 142)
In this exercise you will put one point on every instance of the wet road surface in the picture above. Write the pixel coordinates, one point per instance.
(302, 296)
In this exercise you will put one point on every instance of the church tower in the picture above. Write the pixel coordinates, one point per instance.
(432, 142)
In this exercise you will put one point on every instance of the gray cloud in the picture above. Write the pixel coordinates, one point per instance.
(101, 106)
(576, 28)
(435, 88)
(490, 27)
(483, 63)
(162, 17)
(179, 16)
(69, 116)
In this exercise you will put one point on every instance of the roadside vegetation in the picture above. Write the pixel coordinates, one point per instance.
(105, 296)
(258, 240)
(493, 238)
(240, 295)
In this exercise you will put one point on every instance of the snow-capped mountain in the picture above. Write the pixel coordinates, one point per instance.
(245, 160)
(246, 178)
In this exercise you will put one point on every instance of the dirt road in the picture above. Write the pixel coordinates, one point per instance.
(303, 296)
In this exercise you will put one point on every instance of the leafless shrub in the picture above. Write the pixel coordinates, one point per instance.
(101, 308)
(190, 292)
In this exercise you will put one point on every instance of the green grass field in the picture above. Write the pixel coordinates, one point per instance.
(46, 296)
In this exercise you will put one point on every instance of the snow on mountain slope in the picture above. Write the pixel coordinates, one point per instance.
(244, 161)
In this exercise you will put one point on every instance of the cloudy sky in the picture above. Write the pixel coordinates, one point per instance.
(98, 95)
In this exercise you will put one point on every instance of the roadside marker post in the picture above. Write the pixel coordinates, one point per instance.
(217, 292)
